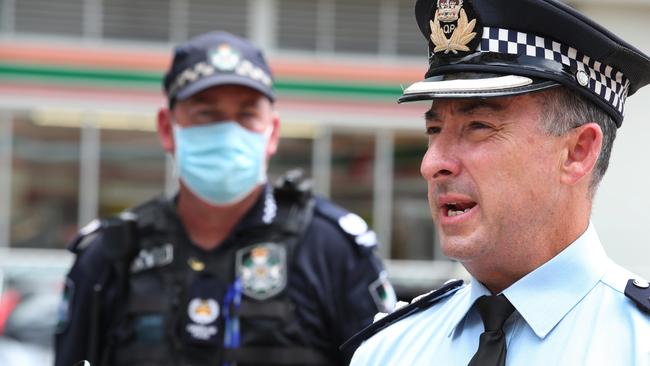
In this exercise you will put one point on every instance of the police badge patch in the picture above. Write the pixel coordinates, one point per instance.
(454, 28)
(262, 269)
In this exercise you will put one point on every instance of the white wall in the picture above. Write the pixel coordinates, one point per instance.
(622, 208)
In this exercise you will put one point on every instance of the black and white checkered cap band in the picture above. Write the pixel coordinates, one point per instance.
(610, 84)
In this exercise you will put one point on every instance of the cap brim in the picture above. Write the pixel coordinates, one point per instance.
(473, 85)
(221, 79)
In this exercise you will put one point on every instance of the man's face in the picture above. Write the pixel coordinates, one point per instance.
(226, 103)
(492, 175)
(251, 109)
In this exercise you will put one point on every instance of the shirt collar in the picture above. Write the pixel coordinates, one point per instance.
(476, 290)
(566, 279)
(546, 295)
(262, 213)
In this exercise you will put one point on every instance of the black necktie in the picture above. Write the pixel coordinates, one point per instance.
(494, 311)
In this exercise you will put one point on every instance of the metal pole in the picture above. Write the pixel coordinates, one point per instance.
(262, 22)
(92, 20)
(322, 160)
(388, 20)
(6, 157)
(383, 189)
(325, 26)
(8, 18)
(178, 21)
(89, 159)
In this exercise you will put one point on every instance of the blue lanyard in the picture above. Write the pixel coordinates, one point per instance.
(231, 318)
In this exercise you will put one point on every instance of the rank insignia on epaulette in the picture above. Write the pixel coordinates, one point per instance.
(383, 294)
(639, 292)
(262, 269)
(454, 28)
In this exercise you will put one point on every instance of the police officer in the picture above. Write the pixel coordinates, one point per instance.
(527, 96)
(231, 271)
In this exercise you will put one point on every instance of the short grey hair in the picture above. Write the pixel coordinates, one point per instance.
(564, 110)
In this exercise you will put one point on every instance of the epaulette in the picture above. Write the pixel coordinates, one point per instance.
(84, 237)
(418, 304)
(119, 230)
(639, 292)
(350, 223)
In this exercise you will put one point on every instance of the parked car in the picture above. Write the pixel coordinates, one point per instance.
(31, 282)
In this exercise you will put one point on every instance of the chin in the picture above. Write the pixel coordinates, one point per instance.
(461, 248)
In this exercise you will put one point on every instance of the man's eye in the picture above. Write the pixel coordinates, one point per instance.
(432, 130)
(478, 126)
(206, 114)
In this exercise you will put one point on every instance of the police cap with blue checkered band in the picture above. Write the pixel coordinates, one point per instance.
(214, 59)
(492, 48)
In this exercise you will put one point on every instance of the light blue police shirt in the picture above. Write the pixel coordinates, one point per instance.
(570, 311)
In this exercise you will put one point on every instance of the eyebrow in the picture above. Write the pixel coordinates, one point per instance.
(469, 107)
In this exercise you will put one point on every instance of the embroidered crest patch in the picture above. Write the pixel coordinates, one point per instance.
(454, 28)
(262, 269)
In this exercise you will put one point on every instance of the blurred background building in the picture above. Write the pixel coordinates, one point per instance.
(80, 83)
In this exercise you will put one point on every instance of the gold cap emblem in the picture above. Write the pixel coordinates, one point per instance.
(451, 29)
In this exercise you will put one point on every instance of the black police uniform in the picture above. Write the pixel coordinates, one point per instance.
(165, 301)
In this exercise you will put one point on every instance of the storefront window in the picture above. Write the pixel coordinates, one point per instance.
(413, 231)
(132, 169)
(293, 153)
(352, 169)
(45, 178)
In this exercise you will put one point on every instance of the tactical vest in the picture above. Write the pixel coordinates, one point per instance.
(229, 306)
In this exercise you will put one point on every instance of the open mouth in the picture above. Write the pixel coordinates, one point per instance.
(453, 209)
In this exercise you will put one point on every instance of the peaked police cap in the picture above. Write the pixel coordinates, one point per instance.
(491, 48)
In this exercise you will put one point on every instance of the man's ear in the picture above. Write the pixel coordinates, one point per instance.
(165, 130)
(583, 145)
(274, 138)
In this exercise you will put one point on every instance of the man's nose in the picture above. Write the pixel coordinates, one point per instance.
(440, 161)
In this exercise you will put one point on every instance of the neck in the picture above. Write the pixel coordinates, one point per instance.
(536, 247)
(208, 225)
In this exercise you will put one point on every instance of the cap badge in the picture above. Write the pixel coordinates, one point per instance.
(451, 30)
(224, 57)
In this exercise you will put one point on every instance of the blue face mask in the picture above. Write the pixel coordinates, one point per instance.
(220, 162)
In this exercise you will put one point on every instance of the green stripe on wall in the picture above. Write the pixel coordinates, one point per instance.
(145, 80)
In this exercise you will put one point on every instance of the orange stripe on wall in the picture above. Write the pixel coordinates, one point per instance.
(156, 60)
